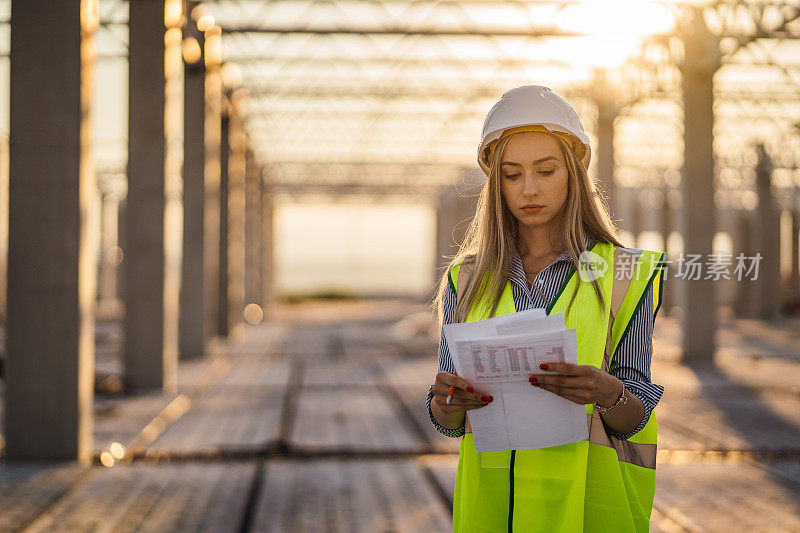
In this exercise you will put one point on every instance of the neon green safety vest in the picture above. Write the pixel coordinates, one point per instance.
(600, 484)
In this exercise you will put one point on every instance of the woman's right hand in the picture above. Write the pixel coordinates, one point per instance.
(465, 397)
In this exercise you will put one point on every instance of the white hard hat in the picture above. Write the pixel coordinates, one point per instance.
(532, 105)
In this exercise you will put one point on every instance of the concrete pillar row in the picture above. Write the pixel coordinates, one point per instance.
(603, 94)
(212, 170)
(252, 233)
(667, 226)
(51, 273)
(698, 295)
(455, 209)
(768, 303)
(108, 291)
(194, 332)
(794, 279)
(223, 302)
(152, 257)
(237, 166)
(746, 293)
(267, 248)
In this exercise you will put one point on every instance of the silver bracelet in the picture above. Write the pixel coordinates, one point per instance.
(621, 400)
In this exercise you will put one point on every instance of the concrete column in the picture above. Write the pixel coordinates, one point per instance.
(222, 282)
(51, 276)
(212, 224)
(666, 223)
(237, 144)
(268, 292)
(636, 222)
(193, 330)
(794, 280)
(173, 186)
(702, 60)
(606, 113)
(455, 209)
(150, 358)
(107, 292)
(768, 303)
(792, 297)
(3, 225)
(122, 235)
(252, 231)
(743, 243)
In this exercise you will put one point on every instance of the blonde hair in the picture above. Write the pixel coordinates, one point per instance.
(492, 232)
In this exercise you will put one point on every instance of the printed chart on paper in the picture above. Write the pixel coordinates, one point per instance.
(503, 362)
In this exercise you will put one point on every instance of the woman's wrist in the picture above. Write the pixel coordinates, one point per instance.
(448, 420)
(624, 418)
(612, 392)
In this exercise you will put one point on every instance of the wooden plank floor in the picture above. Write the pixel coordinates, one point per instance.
(317, 421)
(244, 419)
(154, 497)
(28, 488)
(727, 497)
(347, 418)
(342, 495)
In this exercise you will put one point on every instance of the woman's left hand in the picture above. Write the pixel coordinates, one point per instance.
(581, 384)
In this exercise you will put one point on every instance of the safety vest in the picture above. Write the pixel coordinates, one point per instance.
(600, 484)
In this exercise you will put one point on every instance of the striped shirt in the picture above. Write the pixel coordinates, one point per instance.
(631, 361)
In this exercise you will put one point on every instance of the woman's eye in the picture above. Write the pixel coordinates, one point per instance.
(512, 176)
(546, 172)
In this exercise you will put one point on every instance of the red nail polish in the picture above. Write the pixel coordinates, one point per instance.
(470, 389)
(534, 380)
(487, 398)
(543, 366)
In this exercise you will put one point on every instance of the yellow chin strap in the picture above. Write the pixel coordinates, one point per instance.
(536, 127)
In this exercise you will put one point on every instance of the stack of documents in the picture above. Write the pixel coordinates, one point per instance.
(496, 356)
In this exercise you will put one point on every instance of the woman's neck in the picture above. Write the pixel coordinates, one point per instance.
(534, 242)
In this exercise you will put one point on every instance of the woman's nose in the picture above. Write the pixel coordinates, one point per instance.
(529, 187)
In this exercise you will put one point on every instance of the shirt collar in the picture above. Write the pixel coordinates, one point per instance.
(516, 267)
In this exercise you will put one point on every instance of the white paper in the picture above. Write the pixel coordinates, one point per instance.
(496, 358)
(515, 357)
(535, 324)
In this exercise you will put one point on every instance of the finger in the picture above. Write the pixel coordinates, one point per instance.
(465, 403)
(457, 406)
(568, 393)
(568, 369)
(452, 379)
(564, 393)
(443, 389)
(440, 389)
(469, 395)
(465, 396)
(571, 382)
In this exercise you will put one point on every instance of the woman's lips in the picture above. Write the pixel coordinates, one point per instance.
(530, 209)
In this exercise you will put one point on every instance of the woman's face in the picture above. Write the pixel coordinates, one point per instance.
(533, 173)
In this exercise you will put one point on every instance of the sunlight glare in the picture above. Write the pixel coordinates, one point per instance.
(614, 28)
(106, 459)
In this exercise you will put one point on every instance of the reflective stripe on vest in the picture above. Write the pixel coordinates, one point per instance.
(600, 484)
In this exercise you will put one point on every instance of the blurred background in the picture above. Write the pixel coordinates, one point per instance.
(221, 224)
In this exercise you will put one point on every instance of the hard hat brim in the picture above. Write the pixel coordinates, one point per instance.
(493, 136)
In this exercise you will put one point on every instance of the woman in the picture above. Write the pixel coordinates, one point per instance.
(537, 221)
